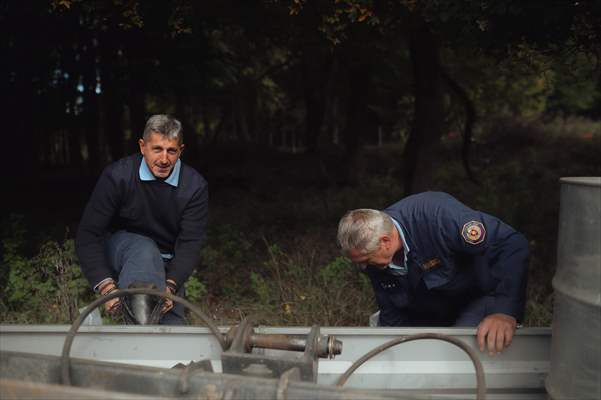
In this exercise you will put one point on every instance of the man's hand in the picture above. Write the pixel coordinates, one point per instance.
(496, 332)
(170, 288)
(113, 306)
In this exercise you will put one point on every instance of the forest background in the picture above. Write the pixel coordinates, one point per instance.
(295, 111)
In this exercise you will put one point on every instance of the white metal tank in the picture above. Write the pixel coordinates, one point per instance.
(576, 330)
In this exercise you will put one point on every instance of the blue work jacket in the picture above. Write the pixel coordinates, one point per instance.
(456, 256)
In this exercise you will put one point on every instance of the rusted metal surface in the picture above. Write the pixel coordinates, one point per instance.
(93, 377)
(238, 359)
(12, 389)
(328, 346)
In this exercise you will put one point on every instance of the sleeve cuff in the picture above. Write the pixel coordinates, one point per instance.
(504, 305)
(97, 286)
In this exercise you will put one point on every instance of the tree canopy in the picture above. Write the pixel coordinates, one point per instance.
(81, 77)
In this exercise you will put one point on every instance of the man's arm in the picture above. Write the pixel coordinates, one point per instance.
(92, 229)
(190, 238)
(510, 270)
(508, 260)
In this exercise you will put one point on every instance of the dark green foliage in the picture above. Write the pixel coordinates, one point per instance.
(225, 255)
(48, 288)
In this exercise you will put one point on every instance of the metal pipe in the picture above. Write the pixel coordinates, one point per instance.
(480, 380)
(327, 345)
(65, 360)
(278, 342)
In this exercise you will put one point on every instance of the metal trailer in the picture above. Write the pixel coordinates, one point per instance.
(419, 369)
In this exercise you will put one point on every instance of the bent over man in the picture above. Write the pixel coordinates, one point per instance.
(433, 261)
(145, 220)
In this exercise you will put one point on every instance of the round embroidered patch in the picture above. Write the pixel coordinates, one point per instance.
(473, 232)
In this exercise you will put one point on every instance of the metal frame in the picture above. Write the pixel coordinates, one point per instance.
(517, 373)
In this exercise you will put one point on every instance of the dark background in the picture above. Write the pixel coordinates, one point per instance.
(296, 111)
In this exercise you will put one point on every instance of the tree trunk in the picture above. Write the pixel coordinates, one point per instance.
(137, 112)
(112, 98)
(18, 97)
(89, 128)
(314, 68)
(420, 153)
(191, 153)
(356, 119)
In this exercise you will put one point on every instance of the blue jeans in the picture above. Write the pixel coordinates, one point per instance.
(136, 258)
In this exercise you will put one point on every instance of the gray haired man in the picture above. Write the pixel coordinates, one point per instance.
(433, 261)
(145, 220)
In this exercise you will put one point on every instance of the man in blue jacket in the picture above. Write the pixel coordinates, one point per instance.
(145, 220)
(433, 261)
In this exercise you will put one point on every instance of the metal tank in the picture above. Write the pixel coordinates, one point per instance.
(575, 371)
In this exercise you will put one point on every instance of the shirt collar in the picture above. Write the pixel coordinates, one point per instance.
(405, 244)
(172, 179)
(398, 227)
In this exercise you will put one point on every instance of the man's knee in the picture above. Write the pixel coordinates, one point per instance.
(144, 248)
(122, 246)
(136, 258)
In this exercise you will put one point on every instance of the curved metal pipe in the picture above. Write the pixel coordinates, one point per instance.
(66, 361)
(480, 381)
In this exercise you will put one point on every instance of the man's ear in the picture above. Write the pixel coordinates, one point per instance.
(141, 144)
(386, 241)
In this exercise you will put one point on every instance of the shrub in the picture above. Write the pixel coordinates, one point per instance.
(195, 289)
(47, 288)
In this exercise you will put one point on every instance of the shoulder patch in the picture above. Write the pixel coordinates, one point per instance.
(473, 232)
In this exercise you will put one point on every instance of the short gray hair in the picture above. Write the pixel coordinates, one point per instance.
(165, 125)
(361, 230)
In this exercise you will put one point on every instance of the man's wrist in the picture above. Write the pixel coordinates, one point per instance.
(171, 285)
(107, 286)
(101, 284)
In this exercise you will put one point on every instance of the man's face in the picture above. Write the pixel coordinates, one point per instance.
(380, 258)
(160, 154)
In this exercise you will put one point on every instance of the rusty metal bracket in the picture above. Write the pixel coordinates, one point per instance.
(238, 359)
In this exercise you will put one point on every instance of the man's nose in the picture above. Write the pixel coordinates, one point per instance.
(163, 157)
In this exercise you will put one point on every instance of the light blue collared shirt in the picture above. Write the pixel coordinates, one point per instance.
(172, 179)
(402, 269)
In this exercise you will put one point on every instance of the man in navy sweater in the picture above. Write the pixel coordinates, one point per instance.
(433, 261)
(145, 220)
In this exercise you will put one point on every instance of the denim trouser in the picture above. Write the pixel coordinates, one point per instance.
(136, 258)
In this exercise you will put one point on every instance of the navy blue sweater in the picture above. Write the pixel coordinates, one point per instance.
(174, 217)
